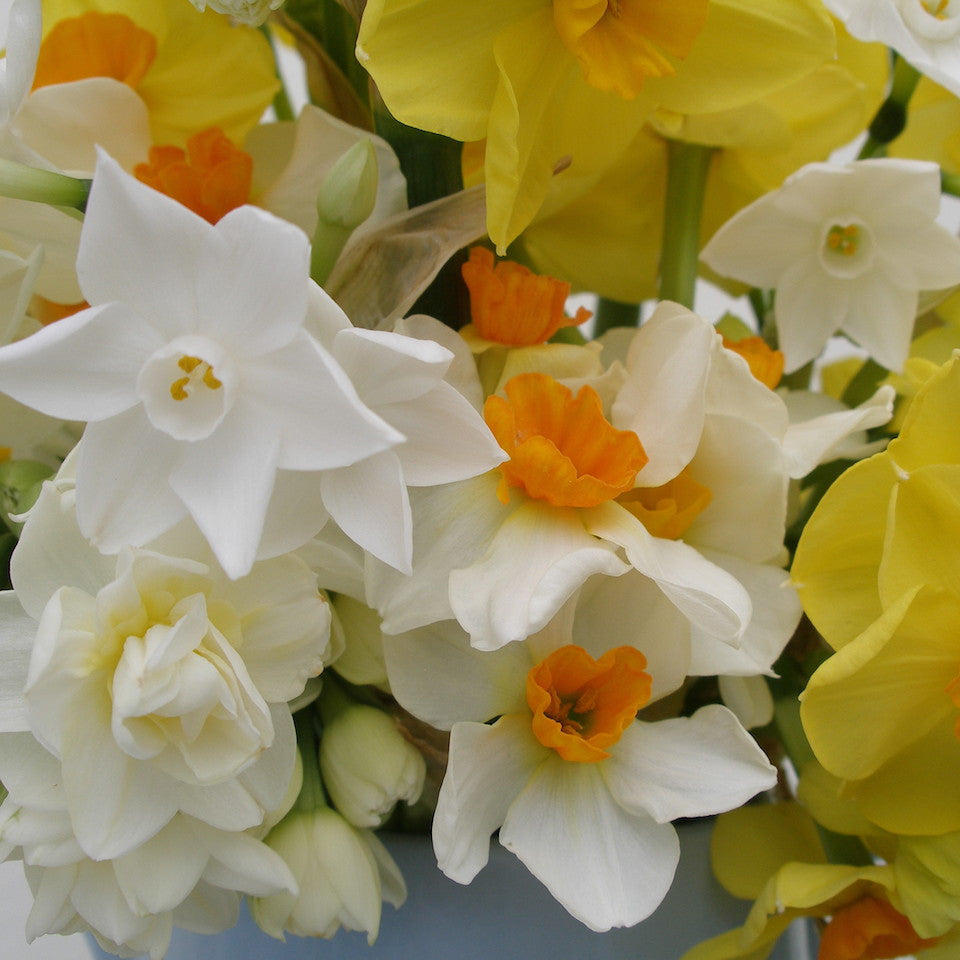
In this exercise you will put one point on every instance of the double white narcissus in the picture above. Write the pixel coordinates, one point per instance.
(581, 791)
(204, 394)
(159, 684)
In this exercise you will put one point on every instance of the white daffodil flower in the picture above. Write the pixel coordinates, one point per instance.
(188, 873)
(159, 684)
(924, 32)
(846, 247)
(580, 790)
(204, 394)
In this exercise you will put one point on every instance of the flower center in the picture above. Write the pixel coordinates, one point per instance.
(211, 177)
(669, 510)
(510, 304)
(95, 45)
(199, 373)
(936, 20)
(846, 249)
(562, 449)
(580, 705)
(869, 929)
(766, 364)
(187, 387)
(620, 43)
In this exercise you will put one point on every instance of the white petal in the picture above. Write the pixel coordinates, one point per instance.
(369, 502)
(83, 367)
(632, 611)
(775, 615)
(662, 400)
(240, 862)
(295, 510)
(709, 597)
(65, 122)
(880, 318)
(115, 803)
(810, 306)
(446, 439)
(487, 769)
(123, 492)
(22, 43)
(687, 767)
(309, 402)
(809, 442)
(388, 368)
(455, 523)
(17, 632)
(742, 465)
(268, 779)
(436, 675)
(141, 248)
(539, 557)
(252, 286)
(608, 867)
(226, 482)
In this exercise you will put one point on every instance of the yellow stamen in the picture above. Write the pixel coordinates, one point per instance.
(562, 449)
(669, 510)
(581, 706)
(765, 363)
(939, 11)
(95, 45)
(844, 238)
(510, 304)
(197, 371)
(620, 43)
(211, 177)
(870, 929)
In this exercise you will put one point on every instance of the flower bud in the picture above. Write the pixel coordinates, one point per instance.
(343, 875)
(367, 765)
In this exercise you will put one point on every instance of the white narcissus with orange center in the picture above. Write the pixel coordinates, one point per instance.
(580, 790)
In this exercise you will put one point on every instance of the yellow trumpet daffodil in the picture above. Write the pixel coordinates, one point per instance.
(559, 84)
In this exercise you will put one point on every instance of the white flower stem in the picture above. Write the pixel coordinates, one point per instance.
(20, 182)
(687, 168)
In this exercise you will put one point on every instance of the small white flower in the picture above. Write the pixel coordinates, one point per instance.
(924, 32)
(846, 247)
(204, 393)
(252, 12)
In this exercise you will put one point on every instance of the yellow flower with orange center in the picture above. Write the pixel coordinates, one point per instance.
(513, 306)
(668, 510)
(562, 449)
(620, 43)
(580, 705)
(192, 70)
(211, 177)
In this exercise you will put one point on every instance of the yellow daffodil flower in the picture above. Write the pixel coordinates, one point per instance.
(192, 70)
(562, 84)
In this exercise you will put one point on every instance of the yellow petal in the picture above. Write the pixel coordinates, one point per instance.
(929, 433)
(433, 59)
(745, 51)
(873, 700)
(750, 844)
(820, 792)
(837, 560)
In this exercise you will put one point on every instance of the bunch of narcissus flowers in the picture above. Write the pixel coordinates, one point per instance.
(326, 511)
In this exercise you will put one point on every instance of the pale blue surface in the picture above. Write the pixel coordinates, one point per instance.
(520, 920)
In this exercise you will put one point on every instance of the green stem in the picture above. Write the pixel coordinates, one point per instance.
(891, 118)
(688, 165)
(950, 183)
(21, 182)
(312, 795)
(614, 313)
